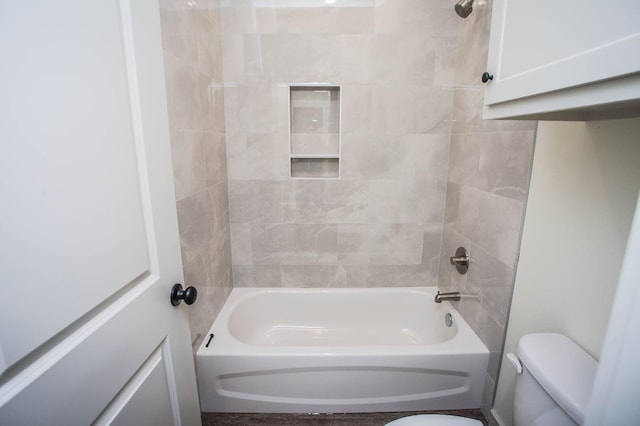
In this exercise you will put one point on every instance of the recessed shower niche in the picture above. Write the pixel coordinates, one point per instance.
(314, 116)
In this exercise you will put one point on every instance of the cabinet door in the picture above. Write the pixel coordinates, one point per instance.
(543, 46)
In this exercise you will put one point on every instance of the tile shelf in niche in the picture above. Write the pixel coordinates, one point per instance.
(322, 168)
(315, 156)
(314, 117)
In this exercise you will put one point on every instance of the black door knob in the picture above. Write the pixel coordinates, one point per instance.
(189, 295)
(486, 77)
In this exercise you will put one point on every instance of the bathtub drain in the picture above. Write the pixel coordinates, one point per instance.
(448, 319)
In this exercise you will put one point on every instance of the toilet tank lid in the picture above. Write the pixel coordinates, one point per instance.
(562, 368)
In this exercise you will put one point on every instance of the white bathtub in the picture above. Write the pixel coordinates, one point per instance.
(339, 350)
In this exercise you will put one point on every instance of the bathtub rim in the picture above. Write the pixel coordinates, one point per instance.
(465, 341)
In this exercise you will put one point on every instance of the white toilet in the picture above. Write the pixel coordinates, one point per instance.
(434, 420)
(555, 377)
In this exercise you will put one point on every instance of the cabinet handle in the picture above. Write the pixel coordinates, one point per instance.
(486, 77)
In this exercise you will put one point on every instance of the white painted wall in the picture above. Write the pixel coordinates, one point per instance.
(584, 188)
(614, 400)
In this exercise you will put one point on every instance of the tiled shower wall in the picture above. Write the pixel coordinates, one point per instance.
(488, 181)
(381, 223)
(193, 68)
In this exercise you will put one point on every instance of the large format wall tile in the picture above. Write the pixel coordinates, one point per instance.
(381, 222)
(491, 221)
(504, 164)
(429, 17)
(195, 96)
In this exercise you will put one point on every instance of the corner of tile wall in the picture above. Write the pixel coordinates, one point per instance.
(193, 68)
(488, 182)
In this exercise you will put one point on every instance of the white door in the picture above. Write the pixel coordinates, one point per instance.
(88, 231)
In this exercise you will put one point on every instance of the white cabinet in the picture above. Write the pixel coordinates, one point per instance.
(560, 59)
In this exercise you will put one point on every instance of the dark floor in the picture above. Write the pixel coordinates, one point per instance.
(349, 419)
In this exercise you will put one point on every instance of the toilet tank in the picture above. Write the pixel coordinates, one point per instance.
(555, 383)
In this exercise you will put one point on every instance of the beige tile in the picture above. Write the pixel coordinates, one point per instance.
(413, 109)
(209, 46)
(315, 276)
(189, 169)
(403, 60)
(256, 276)
(243, 17)
(233, 57)
(267, 17)
(425, 17)
(491, 221)
(394, 109)
(407, 201)
(217, 256)
(452, 203)
(431, 246)
(184, 102)
(195, 223)
(504, 164)
(396, 244)
(393, 244)
(492, 281)
(356, 58)
(326, 201)
(491, 334)
(301, 58)
(219, 196)
(215, 157)
(409, 156)
(255, 108)
(236, 146)
(179, 35)
(468, 111)
(464, 157)
(354, 242)
(431, 156)
(434, 110)
(321, 19)
(294, 243)
(445, 65)
(241, 243)
(399, 276)
(255, 201)
(356, 109)
(257, 156)
(253, 66)
(357, 19)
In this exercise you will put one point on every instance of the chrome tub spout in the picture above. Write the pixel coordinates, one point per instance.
(451, 296)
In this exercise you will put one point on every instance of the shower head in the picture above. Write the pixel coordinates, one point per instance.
(464, 8)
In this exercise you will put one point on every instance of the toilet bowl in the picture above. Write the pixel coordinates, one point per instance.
(434, 420)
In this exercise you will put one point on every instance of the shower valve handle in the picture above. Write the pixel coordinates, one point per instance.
(486, 77)
(189, 295)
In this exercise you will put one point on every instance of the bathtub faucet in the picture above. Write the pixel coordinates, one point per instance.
(453, 295)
